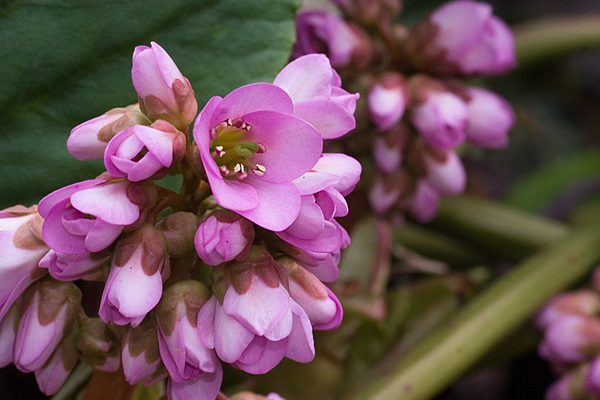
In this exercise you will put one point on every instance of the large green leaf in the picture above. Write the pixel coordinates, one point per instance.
(65, 61)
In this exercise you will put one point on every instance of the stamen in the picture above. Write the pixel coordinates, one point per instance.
(259, 170)
(224, 170)
(261, 148)
(219, 151)
(239, 168)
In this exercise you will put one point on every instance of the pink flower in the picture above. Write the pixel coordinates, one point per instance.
(134, 285)
(57, 369)
(191, 365)
(49, 309)
(474, 40)
(163, 92)
(439, 115)
(223, 236)
(140, 355)
(257, 323)
(490, 117)
(387, 100)
(71, 267)
(252, 148)
(323, 190)
(141, 152)
(570, 339)
(22, 249)
(89, 139)
(581, 302)
(444, 171)
(315, 89)
(323, 32)
(8, 334)
(424, 202)
(87, 216)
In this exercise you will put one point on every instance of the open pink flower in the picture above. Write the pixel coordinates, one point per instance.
(252, 148)
(87, 216)
(315, 89)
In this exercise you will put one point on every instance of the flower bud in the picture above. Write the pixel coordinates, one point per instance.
(140, 355)
(320, 304)
(387, 100)
(179, 229)
(163, 92)
(134, 286)
(444, 171)
(141, 152)
(58, 368)
(22, 248)
(71, 267)
(424, 202)
(223, 236)
(98, 345)
(464, 38)
(581, 302)
(571, 339)
(89, 139)
(8, 334)
(389, 148)
(490, 118)
(49, 307)
(439, 115)
(323, 32)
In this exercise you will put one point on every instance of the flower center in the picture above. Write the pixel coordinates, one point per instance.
(232, 151)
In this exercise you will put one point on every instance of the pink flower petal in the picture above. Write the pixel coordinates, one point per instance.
(330, 119)
(307, 77)
(119, 210)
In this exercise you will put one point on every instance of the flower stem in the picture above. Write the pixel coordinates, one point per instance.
(75, 383)
(447, 353)
(498, 229)
(555, 36)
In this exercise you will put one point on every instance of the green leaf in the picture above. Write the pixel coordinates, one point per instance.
(65, 61)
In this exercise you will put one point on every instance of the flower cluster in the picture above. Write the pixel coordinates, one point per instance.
(230, 268)
(570, 322)
(420, 113)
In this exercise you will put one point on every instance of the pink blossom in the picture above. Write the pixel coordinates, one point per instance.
(141, 152)
(323, 190)
(424, 202)
(163, 92)
(71, 267)
(473, 40)
(252, 148)
(191, 365)
(49, 309)
(87, 216)
(22, 249)
(440, 116)
(323, 32)
(140, 355)
(490, 117)
(8, 334)
(222, 237)
(89, 139)
(134, 285)
(572, 338)
(387, 100)
(315, 89)
(444, 171)
(383, 196)
(57, 369)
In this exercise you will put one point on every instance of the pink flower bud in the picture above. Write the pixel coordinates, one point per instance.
(323, 32)
(140, 355)
(89, 139)
(57, 369)
(462, 37)
(181, 350)
(384, 194)
(141, 152)
(387, 100)
(98, 345)
(71, 267)
(581, 302)
(164, 93)
(592, 378)
(8, 334)
(439, 115)
(49, 308)
(223, 236)
(134, 285)
(490, 118)
(22, 248)
(424, 202)
(444, 171)
(179, 229)
(570, 339)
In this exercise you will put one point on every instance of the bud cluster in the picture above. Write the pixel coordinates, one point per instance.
(571, 343)
(419, 111)
(229, 268)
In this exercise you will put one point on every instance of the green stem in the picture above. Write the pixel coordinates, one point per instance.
(75, 382)
(448, 353)
(555, 36)
(498, 229)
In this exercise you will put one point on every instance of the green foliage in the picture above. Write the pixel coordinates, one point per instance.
(65, 61)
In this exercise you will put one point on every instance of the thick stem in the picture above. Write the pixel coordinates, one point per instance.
(555, 36)
(448, 353)
(496, 228)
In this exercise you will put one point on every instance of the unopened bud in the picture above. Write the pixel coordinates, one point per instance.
(179, 229)
(98, 345)
(581, 302)
(571, 339)
(140, 354)
(58, 368)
